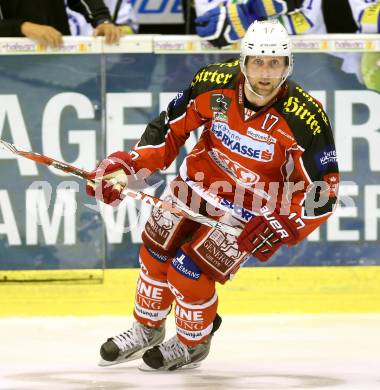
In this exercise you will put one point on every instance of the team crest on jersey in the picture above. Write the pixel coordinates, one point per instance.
(220, 102)
(220, 251)
(260, 136)
(160, 227)
(235, 170)
(243, 145)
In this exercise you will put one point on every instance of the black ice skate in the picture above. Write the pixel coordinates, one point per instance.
(130, 345)
(173, 354)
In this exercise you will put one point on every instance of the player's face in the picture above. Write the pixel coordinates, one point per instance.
(265, 73)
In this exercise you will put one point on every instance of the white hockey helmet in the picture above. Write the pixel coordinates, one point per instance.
(266, 38)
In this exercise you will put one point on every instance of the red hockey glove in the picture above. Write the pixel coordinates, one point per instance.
(264, 234)
(114, 170)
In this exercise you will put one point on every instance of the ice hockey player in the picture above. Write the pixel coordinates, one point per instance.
(265, 161)
(225, 22)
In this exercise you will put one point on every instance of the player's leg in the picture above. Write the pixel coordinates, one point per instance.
(153, 300)
(162, 235)
(195, 316)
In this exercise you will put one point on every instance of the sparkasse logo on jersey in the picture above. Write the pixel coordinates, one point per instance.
(220, 102)
(241, 144)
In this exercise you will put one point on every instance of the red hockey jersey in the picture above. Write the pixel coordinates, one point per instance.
(284, 153)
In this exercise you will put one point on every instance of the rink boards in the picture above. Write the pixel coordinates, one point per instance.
(89, 99)
(253, 291)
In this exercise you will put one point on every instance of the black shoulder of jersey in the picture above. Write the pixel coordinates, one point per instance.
(216, 76)
(303, 113)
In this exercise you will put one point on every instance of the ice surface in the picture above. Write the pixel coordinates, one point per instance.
(264, 352)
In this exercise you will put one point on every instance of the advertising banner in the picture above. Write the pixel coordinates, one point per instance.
(78, 108)
(158, 11)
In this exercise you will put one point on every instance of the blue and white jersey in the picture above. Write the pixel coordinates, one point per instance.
(309, 18)
(367, 15)
(202, 6)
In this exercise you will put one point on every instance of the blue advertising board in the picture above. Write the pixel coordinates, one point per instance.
(78, 108)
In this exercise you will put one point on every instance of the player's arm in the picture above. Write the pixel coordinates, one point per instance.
(164, 136)
(310, 196)
(10, 27)
(228, 22)
(316, 175)
(304, 21)
(42, 34)
(157, 148)
(126, 18)
(366, 15)
(94, 11)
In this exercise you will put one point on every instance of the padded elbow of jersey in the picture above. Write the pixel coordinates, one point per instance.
(265, 9)
(239, 17)
(297, 23)
(320, 210)
(369, 19)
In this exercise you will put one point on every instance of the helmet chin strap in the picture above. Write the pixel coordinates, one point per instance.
(250, 88)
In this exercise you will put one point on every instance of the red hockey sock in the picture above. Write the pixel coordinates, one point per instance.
(194, 322)
(152, 302)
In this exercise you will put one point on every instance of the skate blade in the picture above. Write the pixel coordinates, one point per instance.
(135, 356)
(144, 367)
